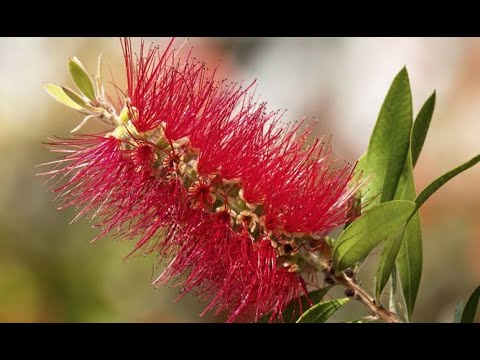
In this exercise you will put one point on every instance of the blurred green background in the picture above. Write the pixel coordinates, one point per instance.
(50, 272)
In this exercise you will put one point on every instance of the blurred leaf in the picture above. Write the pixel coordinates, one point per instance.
(81, 78)
(369, 230)
(420, 127)
(289, 315)
(457, 316)
(470, 309)
(386, 263)
(390, 140)
(321, 312)
(437, 184)
(58, 94)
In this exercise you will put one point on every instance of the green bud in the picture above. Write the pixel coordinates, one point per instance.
(124, 115)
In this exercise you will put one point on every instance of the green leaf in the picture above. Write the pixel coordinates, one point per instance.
(81, 78)
(58, 94)
(457, 316)
(289, 315)
(405, 248)
(470, 309)
(437, 184)
(366, 232)
(386, 264)
(390, 141)
(409, 263)
(321, 312)
(75, 97)
(420, 127)
(409, 258)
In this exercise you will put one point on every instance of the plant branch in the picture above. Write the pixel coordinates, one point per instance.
(361, 295)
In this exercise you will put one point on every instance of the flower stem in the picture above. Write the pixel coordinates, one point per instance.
(377, 310)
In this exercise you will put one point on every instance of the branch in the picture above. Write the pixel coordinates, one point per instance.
(342, 279)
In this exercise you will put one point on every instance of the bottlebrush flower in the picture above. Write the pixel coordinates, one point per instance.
(198, 171)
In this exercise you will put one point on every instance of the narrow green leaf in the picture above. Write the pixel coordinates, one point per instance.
(404, 250)
(470, 309)
(289, 315)
(386, 264)
(321, 312)
(81, 78)
(366, 232)
(75, 97)
(420, 127)
(390, 141)
(409, 258)
(437, 184)
(58, 94)
(409, 263)
(457, 316)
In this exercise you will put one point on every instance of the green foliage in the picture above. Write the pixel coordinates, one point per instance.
(59, 94)
(468, 315)
(75, 97)
(407, 242)
(322, 311)
(386, 264)
(390, 140)
(420, 127)
(409, 263)
(409, 256)
(366, 232)
(81, 78)
(393, 133)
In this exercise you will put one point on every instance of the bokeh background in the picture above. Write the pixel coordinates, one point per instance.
(49, 270)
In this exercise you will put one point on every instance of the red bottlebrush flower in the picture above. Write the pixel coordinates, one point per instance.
(202, 193)
(199, 172)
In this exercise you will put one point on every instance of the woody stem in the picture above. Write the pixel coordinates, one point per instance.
(359, 294)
